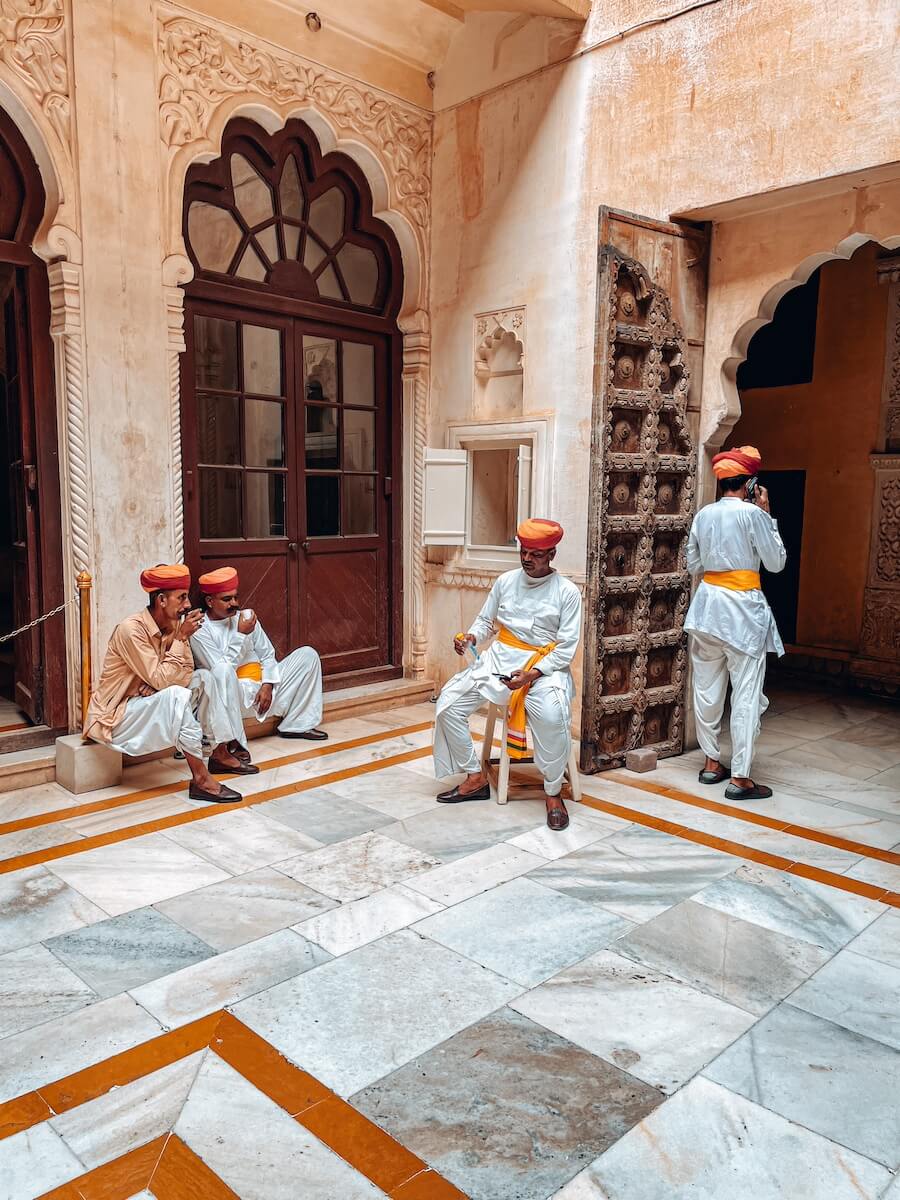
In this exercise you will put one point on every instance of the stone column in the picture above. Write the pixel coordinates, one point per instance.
(416, 372)
(878, 663)
(76, 488)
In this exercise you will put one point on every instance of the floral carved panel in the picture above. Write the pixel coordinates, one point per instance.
(33, 48)
(204, 69)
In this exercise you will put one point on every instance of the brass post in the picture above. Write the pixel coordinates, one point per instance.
(84, 584)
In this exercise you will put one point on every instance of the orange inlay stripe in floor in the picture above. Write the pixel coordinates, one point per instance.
(788, 865)
(179, 785)
(173, 1170)
(17, 725)
(742, 814)
(50, 853)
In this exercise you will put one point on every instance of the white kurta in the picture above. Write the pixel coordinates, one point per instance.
(730, 631)
(220, 648)
(536, 611)
(733, 535)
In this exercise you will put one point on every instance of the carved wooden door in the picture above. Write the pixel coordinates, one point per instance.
(651, 304)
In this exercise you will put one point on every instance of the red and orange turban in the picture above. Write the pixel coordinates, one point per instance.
(166, 577)
(537, 533)
(214, 583)
(743, 460)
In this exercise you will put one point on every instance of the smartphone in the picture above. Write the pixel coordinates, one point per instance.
(502, 678)
(752, 485)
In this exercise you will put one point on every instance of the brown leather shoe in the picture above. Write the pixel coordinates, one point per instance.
(243, 768)
(241, 753)
(225, 795)
(557, 818)
(455, 796)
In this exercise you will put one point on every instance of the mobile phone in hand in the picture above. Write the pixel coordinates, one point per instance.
(752, 485)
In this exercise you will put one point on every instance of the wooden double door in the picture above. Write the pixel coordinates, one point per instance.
(290, 458)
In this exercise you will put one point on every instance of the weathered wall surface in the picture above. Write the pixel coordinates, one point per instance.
(828, 428)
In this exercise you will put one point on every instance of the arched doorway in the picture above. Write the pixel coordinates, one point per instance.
(290, 394)
(819, 396)
(32, 665)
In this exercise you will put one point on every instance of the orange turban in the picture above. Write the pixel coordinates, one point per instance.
(539, 534)
(216, 582)
(743, 460)
(174, 577)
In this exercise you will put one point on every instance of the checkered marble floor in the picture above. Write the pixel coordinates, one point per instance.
(341, 989)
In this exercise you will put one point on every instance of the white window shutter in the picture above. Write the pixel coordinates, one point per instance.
(523, 500)
(446, 483)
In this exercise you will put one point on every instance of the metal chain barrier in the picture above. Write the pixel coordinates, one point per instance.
(7, 637)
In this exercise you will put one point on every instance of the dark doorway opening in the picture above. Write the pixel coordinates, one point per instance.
(783, 590)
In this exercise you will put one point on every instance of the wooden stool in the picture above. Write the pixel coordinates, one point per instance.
(497, 769)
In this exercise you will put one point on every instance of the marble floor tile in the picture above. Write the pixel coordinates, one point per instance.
(788, 904)
(873, 743)
(409, 714)
(241, 841)
(355, 868)
(131, 814)
(240, 910)
(880, 940)
(456, 881)
(124, 952)
(706, 1143)
(524, 932)
(32, 801)
(397, 792)
(135, 873)
(889, 780)
(785, 776)
(507, 1110)
(582, 831)
(856, 992)
(34, 1162)
(325, 815)
(36, 904)
(130, 1115)
(837, 1083)
(258, 1149)
(30, 841)
(741, 963)
(871, 830)
(449, 831)
(813, 754)
(355, 1019)
(870, 870)
(644, 1021)
(638, 874)
(70, 1043)
(199, 990)
(36, 987)
(362, 921)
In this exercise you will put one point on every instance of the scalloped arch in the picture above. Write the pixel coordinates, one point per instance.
(845, 249)
(412, 241)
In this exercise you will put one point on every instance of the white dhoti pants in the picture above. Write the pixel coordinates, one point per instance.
(224, 700)
(714, 662)
(548, 710)
(156, 722)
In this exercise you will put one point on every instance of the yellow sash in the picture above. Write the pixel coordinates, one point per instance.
(735, 581)
(516, 744)
(252, 670)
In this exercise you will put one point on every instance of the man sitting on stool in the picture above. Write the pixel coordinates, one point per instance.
(538, 612)
(148, 688)
(234, 647)
(729, 622)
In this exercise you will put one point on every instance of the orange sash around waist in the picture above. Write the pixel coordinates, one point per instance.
(251, 670)
(735, 581)
(516, 743)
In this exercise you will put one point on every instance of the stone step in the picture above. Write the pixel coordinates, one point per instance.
(27, 768)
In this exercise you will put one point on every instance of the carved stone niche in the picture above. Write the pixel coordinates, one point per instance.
(499, 363)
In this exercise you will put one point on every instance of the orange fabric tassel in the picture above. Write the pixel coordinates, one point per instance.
(516, 742)
(252, 670)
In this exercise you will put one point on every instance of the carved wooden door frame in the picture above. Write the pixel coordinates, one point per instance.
(643, 467)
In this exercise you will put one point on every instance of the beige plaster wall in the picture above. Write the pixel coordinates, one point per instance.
(127, 394)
